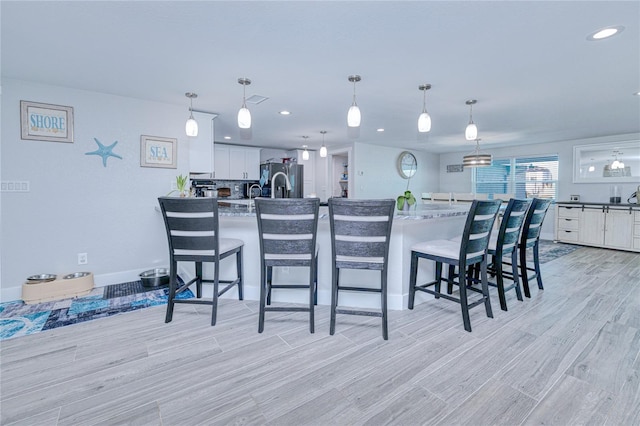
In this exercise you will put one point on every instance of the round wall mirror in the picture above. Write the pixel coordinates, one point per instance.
(407, 164)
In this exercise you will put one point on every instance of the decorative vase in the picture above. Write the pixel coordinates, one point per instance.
(406, 206)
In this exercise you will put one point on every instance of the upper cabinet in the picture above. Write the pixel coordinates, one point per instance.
(201, 154)
(236, 162)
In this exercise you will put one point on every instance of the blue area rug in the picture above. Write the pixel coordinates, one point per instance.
(19, 319)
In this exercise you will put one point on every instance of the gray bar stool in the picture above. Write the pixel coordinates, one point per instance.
(470, 250)
(360, 234)
(193, 233)
(287, 229)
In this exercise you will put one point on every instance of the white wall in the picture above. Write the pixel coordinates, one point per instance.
(75, 204)
(376, 174)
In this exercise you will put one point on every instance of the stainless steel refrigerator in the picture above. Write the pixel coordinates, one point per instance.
(294, 174)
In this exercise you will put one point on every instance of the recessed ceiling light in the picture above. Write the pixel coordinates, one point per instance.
(607, 32)
(227, 137)
(380, 130)
(285, 112)
(637, 93)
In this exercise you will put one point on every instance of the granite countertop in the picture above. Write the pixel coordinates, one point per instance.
(584, 203)
(241, 208)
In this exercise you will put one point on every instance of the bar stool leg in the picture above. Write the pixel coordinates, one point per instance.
(268, 283)
(523, 271)
(412, 279)
(239, 272)
(199, 280)
(485, 288)
(312, 274)
(263, 290)
(438, 279)
(500, 283)
(464, 306)
(383, 280)
(173, 284)
(536, 265)
(216, 285)
(334, 300)
(514, 272)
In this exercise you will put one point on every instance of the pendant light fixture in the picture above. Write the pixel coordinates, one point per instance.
(424, 120)
(323, 148)
(471, 132)
(191, 127)
(616, 164)
(353, 116)
(305, 153)
(244, 115)
(476, 158)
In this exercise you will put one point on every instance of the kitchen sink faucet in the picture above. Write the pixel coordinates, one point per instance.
(286, 181)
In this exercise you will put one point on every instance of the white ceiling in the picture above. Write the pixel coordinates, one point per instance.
(529, 65)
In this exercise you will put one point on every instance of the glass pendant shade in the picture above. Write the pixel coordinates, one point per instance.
(323, 151)
(471, 132)
(353, 116)
(424, 122)
(244, 117)
(191, 126)
(305, 155)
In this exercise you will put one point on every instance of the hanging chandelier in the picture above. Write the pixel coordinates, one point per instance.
(476, 158)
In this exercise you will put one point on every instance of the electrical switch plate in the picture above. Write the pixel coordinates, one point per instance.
(83, 259)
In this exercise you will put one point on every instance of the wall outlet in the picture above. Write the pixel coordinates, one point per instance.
(83, 259)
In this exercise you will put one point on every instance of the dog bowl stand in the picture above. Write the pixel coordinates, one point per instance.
(57, 289)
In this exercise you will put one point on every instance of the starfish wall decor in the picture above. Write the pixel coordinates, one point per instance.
(104, 151)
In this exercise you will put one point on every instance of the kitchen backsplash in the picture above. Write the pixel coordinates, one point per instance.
(235, 186)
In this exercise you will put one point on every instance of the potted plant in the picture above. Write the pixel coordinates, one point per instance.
(182, 183)
(405, 201)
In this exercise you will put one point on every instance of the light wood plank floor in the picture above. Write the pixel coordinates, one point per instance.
(569, 355)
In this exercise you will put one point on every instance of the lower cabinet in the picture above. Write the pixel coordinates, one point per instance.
(599, 225)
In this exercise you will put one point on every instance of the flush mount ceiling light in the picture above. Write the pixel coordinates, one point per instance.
(244, 115)
(353, 116)
(191, 127)
(323, 148)
(305, 153)
(603, 33)
(471, 132)
(424, 120)
(476, 158)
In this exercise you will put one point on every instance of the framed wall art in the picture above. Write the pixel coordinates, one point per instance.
(156, 151)
(46, 122)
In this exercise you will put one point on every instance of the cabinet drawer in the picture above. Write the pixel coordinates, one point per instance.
(570, 212)
(568, 224)
(569, 236)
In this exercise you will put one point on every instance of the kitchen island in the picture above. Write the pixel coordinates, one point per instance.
(423, 222)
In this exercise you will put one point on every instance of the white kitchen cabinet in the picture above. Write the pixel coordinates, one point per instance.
(201, 153)
(599, 225)
(221, 170)
(236, 163)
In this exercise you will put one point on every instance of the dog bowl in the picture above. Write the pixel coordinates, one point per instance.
(75, 275)
(41, 278)
(155, 277)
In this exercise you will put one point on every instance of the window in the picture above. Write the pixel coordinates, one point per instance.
(526, 177)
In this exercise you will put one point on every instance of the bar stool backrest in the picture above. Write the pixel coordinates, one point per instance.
(511, 225)
(360, 232)
(533, 222)
(287, 228)
(477, 231)
(192, 228)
